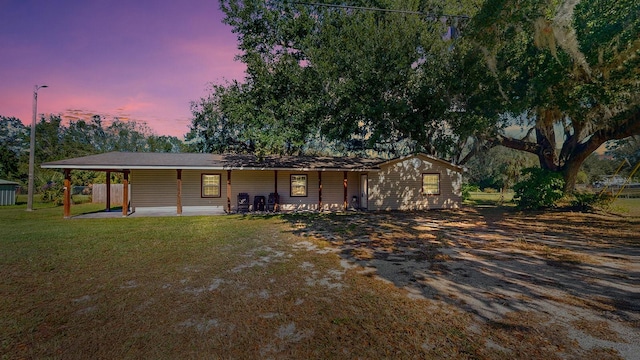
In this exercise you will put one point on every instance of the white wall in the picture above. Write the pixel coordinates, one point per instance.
(398, 186)
(158, 188)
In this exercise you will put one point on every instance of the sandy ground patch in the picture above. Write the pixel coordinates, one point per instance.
(570, 273)
(464, 284)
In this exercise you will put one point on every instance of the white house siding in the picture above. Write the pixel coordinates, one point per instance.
(298, 203)
(353, 187)
(333, 190)
(192, 189)
(398, 185)
(253, 182)
(261, 183)
(158, 188)
(153, 188)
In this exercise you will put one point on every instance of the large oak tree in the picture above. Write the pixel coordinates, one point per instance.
(566, 71)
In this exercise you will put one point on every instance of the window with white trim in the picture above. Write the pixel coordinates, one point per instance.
(431, 184)
(210, 185)
(298, 185)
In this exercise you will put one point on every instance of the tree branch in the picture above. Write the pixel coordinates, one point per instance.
(516, 144)
(528, 134)
(629, 127)
(481, 145)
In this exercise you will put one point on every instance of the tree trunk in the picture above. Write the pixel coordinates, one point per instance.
(576, 154)
(570, 174)
(546, 151)
(573, 164)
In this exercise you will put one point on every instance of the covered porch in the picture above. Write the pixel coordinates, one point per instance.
(206, 184)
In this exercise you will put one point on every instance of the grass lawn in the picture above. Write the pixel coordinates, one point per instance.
(630, 207)
(621, 206)
(480, 197)
(180, 287)
(222, 287)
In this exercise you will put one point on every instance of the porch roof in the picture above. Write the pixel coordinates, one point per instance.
(119, 161)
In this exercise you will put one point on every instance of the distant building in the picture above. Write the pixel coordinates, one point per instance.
(614, 181)
(8, 191)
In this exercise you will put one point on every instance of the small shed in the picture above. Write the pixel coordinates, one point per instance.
(8, 192)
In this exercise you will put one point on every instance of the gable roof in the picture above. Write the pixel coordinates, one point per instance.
(426, 157)
(119, 161)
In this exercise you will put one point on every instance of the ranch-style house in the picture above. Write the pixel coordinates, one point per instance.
(236, 183)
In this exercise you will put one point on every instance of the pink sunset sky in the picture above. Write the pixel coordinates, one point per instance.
(142, 60)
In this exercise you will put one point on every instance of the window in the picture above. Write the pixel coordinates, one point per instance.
(298, 185)
(430, 184)
(211, 185)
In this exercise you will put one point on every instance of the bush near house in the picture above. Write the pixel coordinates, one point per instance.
(467, 189)
(540, 189)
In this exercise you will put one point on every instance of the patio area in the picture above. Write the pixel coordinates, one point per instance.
(151, 212)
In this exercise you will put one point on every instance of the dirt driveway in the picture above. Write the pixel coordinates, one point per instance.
(541, 276)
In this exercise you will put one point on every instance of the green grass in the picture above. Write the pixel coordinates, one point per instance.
(204, 287)
(494, 198)
(630, 207)
(621, 206)
(220, 287)
(48, 263)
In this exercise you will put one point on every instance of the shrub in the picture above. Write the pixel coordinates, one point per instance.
(582, 178)
(467, 189)
(493, 182)
(53, 192)
(589, 201)
(539, 189)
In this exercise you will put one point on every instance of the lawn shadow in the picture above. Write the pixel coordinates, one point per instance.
(493, 260)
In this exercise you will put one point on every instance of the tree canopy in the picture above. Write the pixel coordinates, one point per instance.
(55, 141)
(554, 78)
(332, 77)
(567, 71)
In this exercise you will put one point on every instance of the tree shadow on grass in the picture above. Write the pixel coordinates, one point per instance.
(491, 261)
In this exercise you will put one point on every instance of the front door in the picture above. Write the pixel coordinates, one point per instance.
(364, 191)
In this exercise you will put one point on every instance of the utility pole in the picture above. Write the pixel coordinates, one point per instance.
(32, 152)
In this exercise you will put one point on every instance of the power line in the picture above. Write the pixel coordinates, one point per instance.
(351, 7)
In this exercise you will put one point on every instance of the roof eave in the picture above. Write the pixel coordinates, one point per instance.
(430, 157)
(175, 167)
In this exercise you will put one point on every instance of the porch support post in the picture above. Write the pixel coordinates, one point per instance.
(125, 194)
(276, 206)
(108, 191)
(344, 183)
(319, 190)
(179, 192)
(228, 191)
(67, 193)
